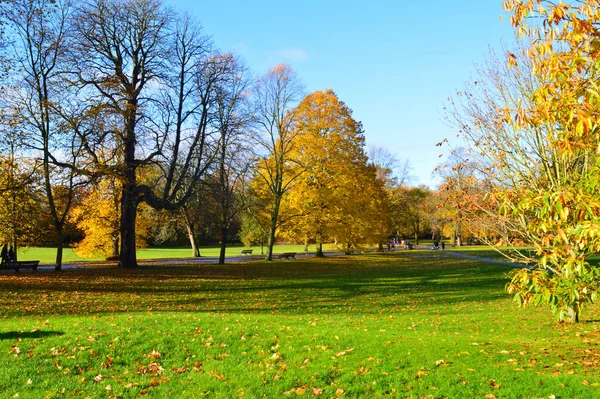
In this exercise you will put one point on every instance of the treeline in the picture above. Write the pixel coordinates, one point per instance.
(123, 124)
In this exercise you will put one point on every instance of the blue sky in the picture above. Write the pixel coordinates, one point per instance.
(394, 63)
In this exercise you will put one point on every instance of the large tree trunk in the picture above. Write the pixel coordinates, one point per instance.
(129, 196)
(223, 245)
(128, 257)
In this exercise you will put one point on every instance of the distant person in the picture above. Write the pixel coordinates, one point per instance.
(11, 256)
(443, 246)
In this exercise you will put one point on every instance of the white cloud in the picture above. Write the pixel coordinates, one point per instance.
(293, 54)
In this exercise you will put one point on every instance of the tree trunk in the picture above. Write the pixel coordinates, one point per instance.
(192, 237)
(60, 240)
(348, 251)
(319, 246)
(573, 315)
(380, 246)
(306, 244)
(128, 257)
(223, 245)
(115, 245)
(273, 228)
(270, 244)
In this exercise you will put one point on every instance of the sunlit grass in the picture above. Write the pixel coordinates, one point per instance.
(408, 324)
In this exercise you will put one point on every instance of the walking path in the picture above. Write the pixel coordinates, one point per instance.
(232, 259)
(491, 260)
(204, 260)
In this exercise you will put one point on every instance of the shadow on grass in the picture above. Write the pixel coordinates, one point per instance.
(28, 334)
(358, 284)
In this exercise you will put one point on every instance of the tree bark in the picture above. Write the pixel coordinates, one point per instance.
(319, 246)
(192, 237)
(273, 228)
(223, 245)
(115, 246)
(573, 314)
(60, 240)
(270, 243)
(129, 202)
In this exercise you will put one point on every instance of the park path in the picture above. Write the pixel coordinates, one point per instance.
(204, 260)
(490, 260)
(244, 258)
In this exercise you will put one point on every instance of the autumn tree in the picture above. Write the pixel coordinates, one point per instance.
(329, 159)
(20, 211)
(38, 51)
(365, 209)
(153, 72)
(97, 216)
(412, 209)
(276, 93)
(544, 130)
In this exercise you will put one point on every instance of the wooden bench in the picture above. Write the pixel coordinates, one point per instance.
(288, 255)
(26, 264)
(246, 252)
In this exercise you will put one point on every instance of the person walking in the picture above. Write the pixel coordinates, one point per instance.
(443, 245)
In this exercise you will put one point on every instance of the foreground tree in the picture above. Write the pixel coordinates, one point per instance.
(153, 72)
(39, 31)
(547, 151)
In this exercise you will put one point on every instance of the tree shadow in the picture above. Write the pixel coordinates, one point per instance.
(362, 284)
(28, 334)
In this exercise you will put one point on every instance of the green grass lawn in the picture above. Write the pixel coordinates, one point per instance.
(48, 255)
(416, 324)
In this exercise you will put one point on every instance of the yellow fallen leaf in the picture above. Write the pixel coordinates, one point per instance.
(339, 392)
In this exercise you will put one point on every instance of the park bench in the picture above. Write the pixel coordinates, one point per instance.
(288, 255)
(27, 264)
(246, 252)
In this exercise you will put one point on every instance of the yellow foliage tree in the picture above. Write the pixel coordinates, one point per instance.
(336, 190)
(563, 213)
(98, 217)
